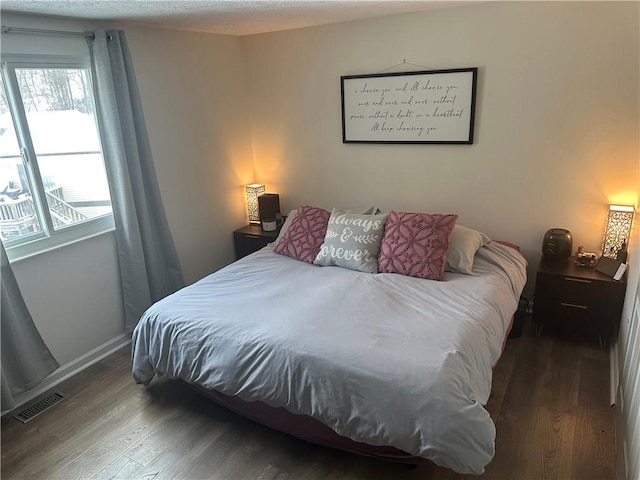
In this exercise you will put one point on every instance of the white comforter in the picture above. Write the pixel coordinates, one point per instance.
(382, 359)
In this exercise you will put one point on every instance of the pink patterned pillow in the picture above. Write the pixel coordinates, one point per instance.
(415, 244)
(305, 235)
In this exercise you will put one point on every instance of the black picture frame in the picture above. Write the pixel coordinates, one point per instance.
(420, 107)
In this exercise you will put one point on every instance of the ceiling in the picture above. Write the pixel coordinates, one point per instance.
(230, 17)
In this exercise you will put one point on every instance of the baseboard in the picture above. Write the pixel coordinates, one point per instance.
(622, 454)
(614, 373)
(72, 368)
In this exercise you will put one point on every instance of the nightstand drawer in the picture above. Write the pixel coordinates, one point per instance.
(565, 289)
(573, 317)
(578, 291)
(251, 239)
(247, 244)
(577, 299)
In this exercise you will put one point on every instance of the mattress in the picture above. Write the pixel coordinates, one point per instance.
(382, 359)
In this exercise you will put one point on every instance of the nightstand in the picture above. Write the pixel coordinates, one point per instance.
(252, 238)
(577, 299)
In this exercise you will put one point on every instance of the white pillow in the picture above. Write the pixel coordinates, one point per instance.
(463, 246)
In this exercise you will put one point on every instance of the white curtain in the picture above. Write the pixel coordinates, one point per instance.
(26, 360)
(149, 265)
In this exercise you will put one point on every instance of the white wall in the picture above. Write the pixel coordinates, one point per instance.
(193, 94)
(556, 122)
(74, 296)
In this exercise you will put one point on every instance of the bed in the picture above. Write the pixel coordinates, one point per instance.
(380, 364)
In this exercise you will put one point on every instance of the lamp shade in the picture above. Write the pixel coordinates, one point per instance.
(252, 192)
(618, 229)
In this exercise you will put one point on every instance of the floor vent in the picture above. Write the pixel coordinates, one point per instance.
(42, 406)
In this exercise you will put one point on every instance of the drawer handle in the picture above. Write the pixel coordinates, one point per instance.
(579, 280)
(573, 305)
(252, 236)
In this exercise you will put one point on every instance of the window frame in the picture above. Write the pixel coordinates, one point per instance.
(48, 238)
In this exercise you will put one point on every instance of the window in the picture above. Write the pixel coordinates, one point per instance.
(53, 185)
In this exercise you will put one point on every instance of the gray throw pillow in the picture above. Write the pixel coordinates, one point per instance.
(352, 241)
(463, 245)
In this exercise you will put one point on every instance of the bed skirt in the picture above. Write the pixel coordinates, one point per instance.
(307, 428)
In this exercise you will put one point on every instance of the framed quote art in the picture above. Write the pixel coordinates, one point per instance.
(435, 106)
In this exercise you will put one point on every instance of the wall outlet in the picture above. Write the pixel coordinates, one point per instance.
(530, 307)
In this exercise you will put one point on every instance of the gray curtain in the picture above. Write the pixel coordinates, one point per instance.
(26, 360)
(149, 265)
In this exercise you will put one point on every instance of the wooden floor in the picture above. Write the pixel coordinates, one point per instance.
(549, 402)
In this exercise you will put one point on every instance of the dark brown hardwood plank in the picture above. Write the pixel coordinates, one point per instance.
(86, 417)
(595, 429)
(219, 458)
(553, 440)
(182, 438)
(562, 375)
(108, 447)
(269, 472)
(502, 372)
(121, 468)
(515, 425)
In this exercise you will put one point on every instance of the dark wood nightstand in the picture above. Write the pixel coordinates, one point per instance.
(252, 238)
(577, 299)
